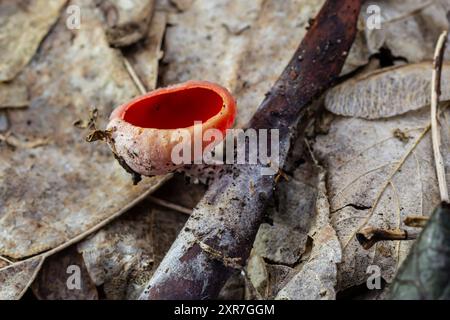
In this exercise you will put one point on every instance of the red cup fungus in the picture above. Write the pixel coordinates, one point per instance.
(143, 130)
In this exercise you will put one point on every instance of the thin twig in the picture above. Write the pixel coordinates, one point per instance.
(416, 221)
(15, 142)
(170, 205)
(134, 76)
(6, 260)
(435, 134)
(369, 236)
(413, 12)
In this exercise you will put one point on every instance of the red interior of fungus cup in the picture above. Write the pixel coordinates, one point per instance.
(174, 109)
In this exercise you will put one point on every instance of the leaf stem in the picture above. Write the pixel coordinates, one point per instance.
(170, 205)
(139, 85)
(435, 134)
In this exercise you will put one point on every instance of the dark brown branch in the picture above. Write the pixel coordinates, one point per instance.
(227, 218)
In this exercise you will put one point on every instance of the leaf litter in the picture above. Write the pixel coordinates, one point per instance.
(23, 25)
(64, 276)
(376, 179)
(288, 266)
(63, 82)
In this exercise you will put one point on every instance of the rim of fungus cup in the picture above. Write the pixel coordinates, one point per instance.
(152, 110)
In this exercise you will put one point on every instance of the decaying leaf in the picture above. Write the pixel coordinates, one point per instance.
(167, 225)
(283, 240)
(145, 56)
(199, 45)
(424, 273)
(182, 5)
(120, 256)
(63, 276)
(234, 288)
(13, 95)
(358, 55)
(316, 277)
(279, 275)
(127, 21)
(240, 37)
(378, 172)
(386, 92)
(257, 274)
(79, 186)
(376, 179)
(409, 29)
(23, 25)
(272, 40)
(16, 278)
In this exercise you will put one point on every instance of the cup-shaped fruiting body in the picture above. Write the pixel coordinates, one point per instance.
(144, 132)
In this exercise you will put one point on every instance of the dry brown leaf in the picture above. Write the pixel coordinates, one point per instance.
(377, 179)
(232, 42)
(126, 21)
(409, 29)
(283, 241)
(55, 194)
(234, 288)
(182, 5)
(167, 225)
(272, 40)
(316, 278)
(300, 240)
(386, 92)
(13, 95)
(56, 273)
(120, 256)
(123, 256)
(358, 55)
(16, 278)
(23, 25)
(257, 274)
(199, 45)
(145, 56)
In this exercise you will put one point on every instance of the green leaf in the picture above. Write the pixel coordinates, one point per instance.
(425, 273)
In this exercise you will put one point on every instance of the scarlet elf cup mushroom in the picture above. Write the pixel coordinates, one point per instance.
(145, 131)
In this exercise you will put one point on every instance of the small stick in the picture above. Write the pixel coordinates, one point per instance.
(369, 236)
(170, 205)
(435, 135)
(416, 221)
(6, 260)
(134, 76)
